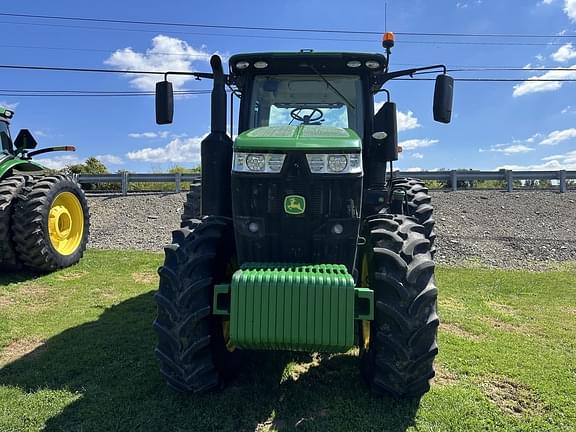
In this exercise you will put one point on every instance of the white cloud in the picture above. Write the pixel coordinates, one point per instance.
(418, 156)
(166, 54)
(559, 136)
(417, 143)
(59, 162)
(9, 105)
(406, 121)
(511, 149)
(570, 9)
(149, 135)
(179, 150)
(565, 161)
(565, 52)
(110, 159)
(531, 86)
(415, 169)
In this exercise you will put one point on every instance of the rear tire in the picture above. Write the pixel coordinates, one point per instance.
(419, 205)
(192, 206)
(398, 351)
(10, 188)
(36, 220)
(191, 346)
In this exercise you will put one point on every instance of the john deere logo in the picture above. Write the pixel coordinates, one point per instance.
(294, 204)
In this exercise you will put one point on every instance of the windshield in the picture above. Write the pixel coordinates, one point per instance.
(307, 99)
(5, 136)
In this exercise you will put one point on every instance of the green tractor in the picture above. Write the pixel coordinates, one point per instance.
(304, 243)
(44, 219)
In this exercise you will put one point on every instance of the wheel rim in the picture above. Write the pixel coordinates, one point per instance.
(66, 223)
(365, 279)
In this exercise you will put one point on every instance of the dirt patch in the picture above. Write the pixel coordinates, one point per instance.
(512, 397)
(502, 308)
(145, 277)
(456, 330)
(450, 304)
(67, 276)
(444, 377)
(502, 325)
(33, 290)
(6, 301)
(19, 348)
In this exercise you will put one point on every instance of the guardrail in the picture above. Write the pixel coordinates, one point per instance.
(451, 178)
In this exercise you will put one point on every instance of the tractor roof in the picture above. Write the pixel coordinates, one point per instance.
(299, 63)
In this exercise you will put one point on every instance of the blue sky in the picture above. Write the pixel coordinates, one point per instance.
(531, 126)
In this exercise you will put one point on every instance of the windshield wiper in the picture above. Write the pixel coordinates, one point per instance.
(334, 89)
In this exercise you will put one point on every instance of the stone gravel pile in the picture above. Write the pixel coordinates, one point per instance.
(530, 229)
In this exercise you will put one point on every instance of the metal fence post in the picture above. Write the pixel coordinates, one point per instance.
(178, 182)
(124, 183)
(510, 180)
(562, 177)
(454, 177)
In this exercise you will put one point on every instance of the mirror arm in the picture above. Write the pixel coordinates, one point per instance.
(384, 77)
(50, 150)
(197, 75)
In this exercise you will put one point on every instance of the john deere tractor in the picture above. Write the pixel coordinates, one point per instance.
(306, 241)
(44, 218)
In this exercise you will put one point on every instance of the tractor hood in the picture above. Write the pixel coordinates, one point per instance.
(299, 138)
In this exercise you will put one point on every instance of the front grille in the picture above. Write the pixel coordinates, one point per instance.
(258, 200)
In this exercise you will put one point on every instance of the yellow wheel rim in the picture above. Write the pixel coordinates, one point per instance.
(365, 280)
(66, 223)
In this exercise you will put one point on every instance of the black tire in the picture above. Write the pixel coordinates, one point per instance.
(419, 205)
(10, 188)
(398, 357)
(192, 206)
(191, 347)
(31, 223)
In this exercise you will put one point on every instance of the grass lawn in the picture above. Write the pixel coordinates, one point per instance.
(76, 355)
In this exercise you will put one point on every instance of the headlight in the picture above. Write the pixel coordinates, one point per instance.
(334, 163)
(258, 162)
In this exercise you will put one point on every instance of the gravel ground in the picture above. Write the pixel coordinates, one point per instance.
(531, 230)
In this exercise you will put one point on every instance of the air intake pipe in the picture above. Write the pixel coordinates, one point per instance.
(216, 152)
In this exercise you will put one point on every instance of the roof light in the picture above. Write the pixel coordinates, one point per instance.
(354, 63)
(242, 65)
(260, 65)
(372, 64)
(388, 40)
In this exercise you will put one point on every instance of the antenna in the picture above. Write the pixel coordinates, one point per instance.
(385, 16)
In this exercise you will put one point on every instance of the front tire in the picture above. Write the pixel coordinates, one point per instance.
(399, 346)
(191, 342)
(51, 223)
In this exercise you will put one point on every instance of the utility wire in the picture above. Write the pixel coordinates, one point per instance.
(252, 36)
(279, 29)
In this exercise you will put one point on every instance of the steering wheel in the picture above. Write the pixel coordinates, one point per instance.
(313, 118)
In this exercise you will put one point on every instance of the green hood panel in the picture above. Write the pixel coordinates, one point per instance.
(299, 138)
(19, 165)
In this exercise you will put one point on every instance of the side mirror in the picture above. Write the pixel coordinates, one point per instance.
(385, 137)
(6, 142)
(443, 98)
(164, 102)
(25, 141)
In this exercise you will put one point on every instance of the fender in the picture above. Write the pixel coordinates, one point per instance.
(21, 165)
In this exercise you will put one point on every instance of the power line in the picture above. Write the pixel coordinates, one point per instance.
(279, 29)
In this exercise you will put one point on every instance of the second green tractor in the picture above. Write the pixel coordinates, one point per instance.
(306, 240)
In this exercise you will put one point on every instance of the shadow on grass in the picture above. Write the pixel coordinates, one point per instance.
(9, 277)
(109, 362)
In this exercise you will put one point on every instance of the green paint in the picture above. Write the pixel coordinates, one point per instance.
(294, 204)
(304, 137)
(20, 165)
(293, 307)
